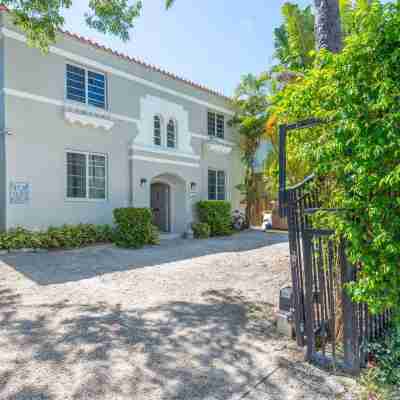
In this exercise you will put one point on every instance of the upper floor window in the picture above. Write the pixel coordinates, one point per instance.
(171, 134)
(85, 86)
(157, 131)
(216, 125)
(86, 176)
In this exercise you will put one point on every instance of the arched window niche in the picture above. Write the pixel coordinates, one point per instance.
(157, 131)
(171, 134)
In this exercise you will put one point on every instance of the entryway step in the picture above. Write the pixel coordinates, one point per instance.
(170, 236)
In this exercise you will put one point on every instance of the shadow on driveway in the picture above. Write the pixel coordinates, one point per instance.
(179, 350)
(74, 265)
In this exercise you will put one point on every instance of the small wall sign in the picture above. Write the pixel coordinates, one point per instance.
(20, 192)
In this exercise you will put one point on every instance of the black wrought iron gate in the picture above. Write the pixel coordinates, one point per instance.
(323, 311)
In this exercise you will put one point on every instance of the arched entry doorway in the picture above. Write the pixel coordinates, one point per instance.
(168, 200)
(160, 203)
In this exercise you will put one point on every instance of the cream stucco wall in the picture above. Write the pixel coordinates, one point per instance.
(32, 107)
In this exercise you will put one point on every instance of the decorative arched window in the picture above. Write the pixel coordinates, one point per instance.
(171, 134)
(157, 131)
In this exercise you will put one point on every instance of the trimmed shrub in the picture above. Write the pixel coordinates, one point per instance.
(155, 235)
(217, 214)
(201, 230)
(16, 238)
(134, 227)
(64, 237)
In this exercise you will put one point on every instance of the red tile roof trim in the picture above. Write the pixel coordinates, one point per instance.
(123, 56)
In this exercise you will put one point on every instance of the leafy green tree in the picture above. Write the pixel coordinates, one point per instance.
(295, 39)
(358, 151)
(40, 20)
(251, 105)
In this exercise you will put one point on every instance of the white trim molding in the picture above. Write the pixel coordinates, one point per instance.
(88, 120)
(31, 96)
(88, 117)
(218, 147)
(83, 108)
(206, 137)
(164, 161)
(151, 106)
(162, 151)
(111, 70)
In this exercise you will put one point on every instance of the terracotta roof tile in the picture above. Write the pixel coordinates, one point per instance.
(154, 68)
(142, 63)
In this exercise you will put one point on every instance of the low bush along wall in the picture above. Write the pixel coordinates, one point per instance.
(133, 229)
(217, 215)
(64, 237)
(201, 230)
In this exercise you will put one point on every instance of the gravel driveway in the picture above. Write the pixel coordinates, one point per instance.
(185, 320)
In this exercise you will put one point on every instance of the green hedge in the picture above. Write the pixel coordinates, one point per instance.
(217, 214)
(134, 227)
(64, 237)
(201, 230)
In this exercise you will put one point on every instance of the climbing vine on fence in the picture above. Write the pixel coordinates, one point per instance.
(358, 151)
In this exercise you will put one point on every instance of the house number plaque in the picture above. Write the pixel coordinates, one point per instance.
(20, 192)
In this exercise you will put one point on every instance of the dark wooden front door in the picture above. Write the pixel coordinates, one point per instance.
(160, 206)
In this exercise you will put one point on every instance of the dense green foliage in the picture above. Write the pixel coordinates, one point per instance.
(250, 103)
(134, 227)
(40, 20)
(381, 380)
(64, 237)
(386, 355)
(358, 151)
(295, 38)
(201, 230)
(217, 215)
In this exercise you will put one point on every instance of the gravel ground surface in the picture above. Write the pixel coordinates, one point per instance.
(185, 320)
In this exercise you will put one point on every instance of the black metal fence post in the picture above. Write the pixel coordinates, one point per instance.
(309, 297)
(315, 287)
(351, 346)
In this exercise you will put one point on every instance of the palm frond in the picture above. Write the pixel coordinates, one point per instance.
(169, 3)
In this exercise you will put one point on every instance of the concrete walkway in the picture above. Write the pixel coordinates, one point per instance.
(185, 320)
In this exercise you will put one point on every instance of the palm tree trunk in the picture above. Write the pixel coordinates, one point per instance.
(327, 25)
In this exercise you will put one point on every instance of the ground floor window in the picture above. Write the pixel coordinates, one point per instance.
(86, 176)
(216, 185)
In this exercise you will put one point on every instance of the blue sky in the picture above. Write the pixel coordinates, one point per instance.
(212, 42)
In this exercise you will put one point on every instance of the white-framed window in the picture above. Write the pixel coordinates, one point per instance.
(157, 135)
(216, 125)
(86, 176)
(216, 185)
(171, 134)
(86, 86)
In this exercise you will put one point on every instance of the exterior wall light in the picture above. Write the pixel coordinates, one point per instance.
(193, 186)
(143, 182)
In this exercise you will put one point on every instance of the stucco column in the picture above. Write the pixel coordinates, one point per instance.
(189, 211)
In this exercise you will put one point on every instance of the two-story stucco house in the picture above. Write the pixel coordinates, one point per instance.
(85, 130)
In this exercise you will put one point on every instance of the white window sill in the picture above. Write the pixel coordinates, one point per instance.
(84, 200)
(85, 115)
(219, 146)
